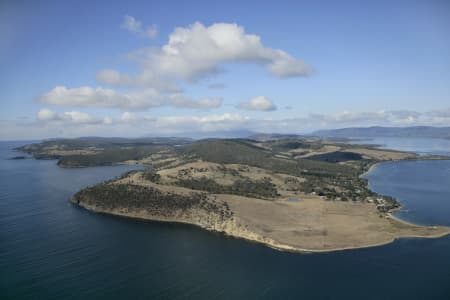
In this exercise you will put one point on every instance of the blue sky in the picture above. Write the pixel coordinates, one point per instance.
(73, 68)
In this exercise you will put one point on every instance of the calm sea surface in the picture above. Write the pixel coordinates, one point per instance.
(418, 145)
(50, 249)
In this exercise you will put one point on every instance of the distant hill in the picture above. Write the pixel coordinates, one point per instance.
(264, 137)
(378, 131)
(96, 141)
(242, 133)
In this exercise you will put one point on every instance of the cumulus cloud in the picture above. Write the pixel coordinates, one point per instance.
(128, 117)
(46, 115)
(133, 25)
(77, 117)
(197, 51)
(86, 97)
(180, 100)
(191, 53)
(259, 103)
(108, 98)
(146, 79)
(209, 123)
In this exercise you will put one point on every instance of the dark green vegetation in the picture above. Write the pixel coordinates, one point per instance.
(291, 144)
(324, 178)
(323, 173)
(136, 198)
(151, 175)
(242, 152)
(109, 156)
(262, 189)
(95, 151)
(336, 157)
(101, 143)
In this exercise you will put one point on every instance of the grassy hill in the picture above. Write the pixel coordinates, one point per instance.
(243, 152)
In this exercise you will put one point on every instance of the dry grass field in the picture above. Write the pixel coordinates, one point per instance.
(292, 221)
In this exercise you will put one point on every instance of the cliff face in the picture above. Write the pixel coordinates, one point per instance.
(310, 225)
(151, 203)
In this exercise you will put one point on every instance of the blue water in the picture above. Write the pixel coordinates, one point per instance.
(422, 186)
(50, 249)
(418, 145)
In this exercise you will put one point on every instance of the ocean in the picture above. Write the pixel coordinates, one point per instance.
(50, 249)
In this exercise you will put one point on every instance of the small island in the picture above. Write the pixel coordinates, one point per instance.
(302, 194)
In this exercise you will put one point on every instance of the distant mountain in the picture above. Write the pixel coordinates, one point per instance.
(378, 131)
(243, 133)
(264, 137)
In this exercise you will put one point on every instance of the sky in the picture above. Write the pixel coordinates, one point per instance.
(183, 68)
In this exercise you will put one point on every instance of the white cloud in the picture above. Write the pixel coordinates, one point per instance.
(259, 103)
(197, 51)
(128, 117)
(107, 120)
(145, 79)
(78, 117)
(47, 115)
(133, 25)
(191, 53)
(192, 124)
(85, 97)
(180, 100)
(108, 98)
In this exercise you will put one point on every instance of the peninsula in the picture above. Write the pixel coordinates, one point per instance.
(295, 193)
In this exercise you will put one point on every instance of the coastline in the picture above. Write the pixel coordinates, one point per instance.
(371, 168)
(419, 158)
(391, 212)
(315, 236)
(437, 235)
(239, 232)
(396, 228)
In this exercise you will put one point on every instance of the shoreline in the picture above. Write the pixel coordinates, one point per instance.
(391, 212)
(250, 236)
(419, 158)
(236, 229)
